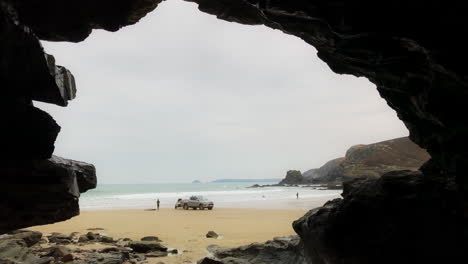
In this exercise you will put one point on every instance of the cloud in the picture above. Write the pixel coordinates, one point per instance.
(182, 96)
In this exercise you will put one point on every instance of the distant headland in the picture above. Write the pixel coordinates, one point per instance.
(247, 180)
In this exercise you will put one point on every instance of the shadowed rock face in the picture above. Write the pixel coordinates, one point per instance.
(42, 191)
(414, 51)
(33, 189)
(74, 20)
(402, 217)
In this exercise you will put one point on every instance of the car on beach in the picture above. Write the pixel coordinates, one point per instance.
(195, 202)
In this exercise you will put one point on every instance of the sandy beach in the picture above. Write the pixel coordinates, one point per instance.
(184, 230)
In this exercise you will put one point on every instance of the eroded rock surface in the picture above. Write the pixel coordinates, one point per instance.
(26, 247)
(280, 250)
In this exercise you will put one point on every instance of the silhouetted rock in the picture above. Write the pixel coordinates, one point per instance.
(85, 173)
(209, 261)
(52, 193)
(361, 227)
(146, 246)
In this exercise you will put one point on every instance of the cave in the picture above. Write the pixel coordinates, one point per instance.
(412, 51)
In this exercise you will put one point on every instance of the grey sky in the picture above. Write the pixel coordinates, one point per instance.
(183, 96)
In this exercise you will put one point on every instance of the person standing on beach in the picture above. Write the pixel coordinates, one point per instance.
(297, 196)
(157, 203)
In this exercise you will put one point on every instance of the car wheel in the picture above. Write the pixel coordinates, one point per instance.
(185, 207)
(210, 208)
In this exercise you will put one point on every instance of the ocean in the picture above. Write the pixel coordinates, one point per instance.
(224, 195)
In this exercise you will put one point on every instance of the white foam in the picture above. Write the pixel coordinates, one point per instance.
(267, 197)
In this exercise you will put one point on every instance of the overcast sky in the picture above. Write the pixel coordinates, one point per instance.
(183, 96)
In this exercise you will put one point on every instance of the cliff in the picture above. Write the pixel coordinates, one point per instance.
(374, 160)
(365, 161)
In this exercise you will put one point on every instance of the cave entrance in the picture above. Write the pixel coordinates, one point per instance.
(183, 96)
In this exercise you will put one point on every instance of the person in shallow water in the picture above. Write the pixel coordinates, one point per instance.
(157, 203)
(297, 195)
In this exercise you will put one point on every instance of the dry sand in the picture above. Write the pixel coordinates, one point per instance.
(185, 230)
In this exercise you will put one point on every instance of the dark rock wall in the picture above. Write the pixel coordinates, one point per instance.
(414, 51)
(34, 189)
(402, 217)
(74, 20)
(42, 191)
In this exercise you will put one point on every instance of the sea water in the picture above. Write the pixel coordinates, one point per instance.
(224, 195)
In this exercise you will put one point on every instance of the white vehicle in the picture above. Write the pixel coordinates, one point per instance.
(195, 202)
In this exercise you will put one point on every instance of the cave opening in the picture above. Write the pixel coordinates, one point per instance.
(418, 75)
(213, 94)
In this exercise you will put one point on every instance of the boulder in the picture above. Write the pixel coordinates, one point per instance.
(16, 251)
(150, 238)
(59, 238)
(29, 237)
(92, 236)
(281, 250)
(109, 250)
(146, 246)
(83, 239)
(101, 258)
(209, 261)
(57, 252)
(106, 239)
(67, 258)
(211, 234)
